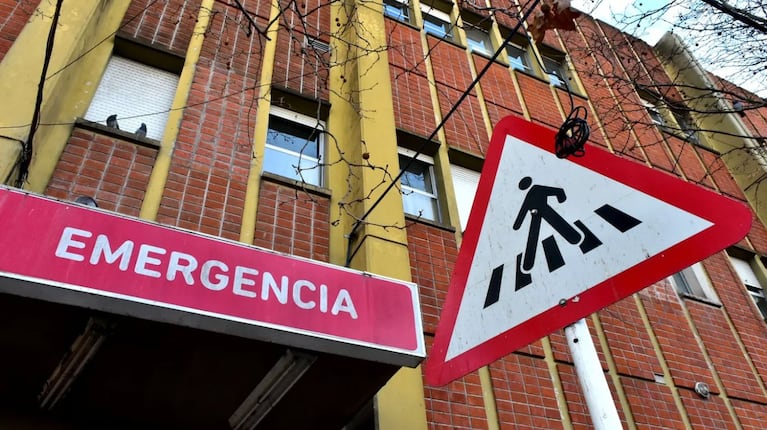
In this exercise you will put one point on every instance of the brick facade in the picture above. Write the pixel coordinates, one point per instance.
(718, 343)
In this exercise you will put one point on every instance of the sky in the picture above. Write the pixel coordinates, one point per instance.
(608, 10)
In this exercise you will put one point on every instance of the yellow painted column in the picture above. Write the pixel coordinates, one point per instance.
(159, 176)
(668, 379)
(66, 96)
(250, 208)
(741, 155)
(362, 116)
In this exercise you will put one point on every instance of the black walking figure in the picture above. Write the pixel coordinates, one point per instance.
(537, 205)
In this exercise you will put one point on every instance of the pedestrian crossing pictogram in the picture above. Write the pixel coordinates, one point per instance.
(549, 241)
(578, 234)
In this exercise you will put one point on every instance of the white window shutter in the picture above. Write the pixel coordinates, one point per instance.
(745, 272)
(465, 183)
(136, 93)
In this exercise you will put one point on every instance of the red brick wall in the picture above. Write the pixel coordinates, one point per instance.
(14, 14)
(651, 404)
(206, 184)
(114, 172)
(432, 254)
(458, 405)
(299, 68)
(167, 23)
(631, 133)
(413, 109)
(405, 50)
(498, 88)
(465, 129)
(525, 393)
(293, 221)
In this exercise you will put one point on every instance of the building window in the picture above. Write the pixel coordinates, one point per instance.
(694, 282)
(294, 145)
(136, 93)
(556, 70)
(654, 111)
(465, 183)
(419, 192)
(518, 57)
(686, 125)
(747, 274)
(397, 9)
(478, 40)
(436, 22)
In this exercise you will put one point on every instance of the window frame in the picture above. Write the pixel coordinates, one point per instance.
(557, 62)
(687, 129)
(465, 185)
(750, 279)
(693, 282)
(407, 190)
(653, 110)
(524, 58)
(122, 74)
(486, 42)
(304, 121)
(403, 6)
(429, 14)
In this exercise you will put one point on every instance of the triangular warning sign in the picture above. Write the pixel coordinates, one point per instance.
(550, 241)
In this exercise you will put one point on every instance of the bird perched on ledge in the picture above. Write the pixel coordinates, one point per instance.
(141, 131)
(112, 121)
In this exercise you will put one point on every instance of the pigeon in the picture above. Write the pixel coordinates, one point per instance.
(737, 106)
(141, 131)
(112, 121)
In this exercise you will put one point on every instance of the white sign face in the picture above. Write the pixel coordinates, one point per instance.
(552, 230)
(550, 241)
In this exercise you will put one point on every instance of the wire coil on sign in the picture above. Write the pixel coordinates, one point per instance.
(573, 134)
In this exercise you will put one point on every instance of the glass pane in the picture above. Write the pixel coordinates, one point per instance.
(419, 204)
(293, 137)
(555, 71)
(655, 116)
(517, 57)
(417, 176)
(762, 305)
(435, 26)
(478, 41)
(758, 295)
(396, 10)
(286, 164)
(681, 283)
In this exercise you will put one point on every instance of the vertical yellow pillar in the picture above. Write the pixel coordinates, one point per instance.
(250, 209)
(362, 116)
(66, 95)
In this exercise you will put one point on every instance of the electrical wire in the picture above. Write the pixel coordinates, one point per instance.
(26, 149)
(442, 123)
(573, 134)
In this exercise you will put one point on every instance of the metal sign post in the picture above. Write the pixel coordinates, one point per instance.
(592, 378)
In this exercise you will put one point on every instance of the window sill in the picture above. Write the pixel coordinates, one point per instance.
(573, 91)
(703, 300)
(414, 218)
(693, 142)
(120, 134)
(446, 40)
(303, 186)
(489, 57)
(405, 23)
